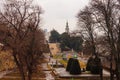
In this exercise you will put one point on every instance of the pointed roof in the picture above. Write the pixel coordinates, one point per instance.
(67, 24)
(67, 27)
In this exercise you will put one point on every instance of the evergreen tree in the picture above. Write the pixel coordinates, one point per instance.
(76, 43)
(65, 41)
(73, 42)
(55, 37)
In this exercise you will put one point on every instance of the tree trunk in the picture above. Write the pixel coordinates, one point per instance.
(118, 58)
(29, 75)
(111, 71)
(117, 70)
(22, 73)
(93, 45)
(101, 73)
(19, 67)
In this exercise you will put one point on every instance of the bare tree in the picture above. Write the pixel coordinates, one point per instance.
(24, 36)
(108, 18)
(106, 14)
(87, 28)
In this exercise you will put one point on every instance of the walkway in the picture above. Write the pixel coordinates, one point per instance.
(47, 72)
(3, 73)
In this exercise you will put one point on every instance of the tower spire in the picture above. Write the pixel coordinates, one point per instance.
(67, 28)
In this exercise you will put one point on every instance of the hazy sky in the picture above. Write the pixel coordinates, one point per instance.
(57, 12)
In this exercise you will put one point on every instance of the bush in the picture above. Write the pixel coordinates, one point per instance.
(97, 66)
(89, 63)
(69, 64)
(96, 69)
(75, 67)
(94, 65)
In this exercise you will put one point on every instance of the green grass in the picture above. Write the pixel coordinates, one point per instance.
(63, 62)
(57, 56)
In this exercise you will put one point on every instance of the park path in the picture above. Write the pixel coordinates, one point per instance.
(3, 73)
(47, 71)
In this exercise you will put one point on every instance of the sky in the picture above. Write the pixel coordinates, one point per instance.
(58, 12)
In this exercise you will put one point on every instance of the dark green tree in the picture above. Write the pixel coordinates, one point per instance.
(75, 68)
(69, 64)
(65, 41)
(55, 36)
(71, 42)
(76, 43)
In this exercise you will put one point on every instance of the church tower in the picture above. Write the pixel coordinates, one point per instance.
(67, 28)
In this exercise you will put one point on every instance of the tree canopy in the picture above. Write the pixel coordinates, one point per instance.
(71, 42)
(23, 35)
(102, 17)
(54, 37)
